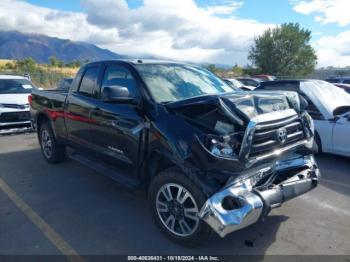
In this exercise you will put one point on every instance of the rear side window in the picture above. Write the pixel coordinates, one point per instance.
(120, 76)
(88, 82)
(251, 83)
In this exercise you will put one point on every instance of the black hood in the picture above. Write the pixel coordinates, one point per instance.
(236, 108)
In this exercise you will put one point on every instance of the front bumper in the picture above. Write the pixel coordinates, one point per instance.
(15, 121)
(243, 202)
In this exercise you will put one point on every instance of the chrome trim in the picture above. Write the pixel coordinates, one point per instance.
(291, 119)
(252, 125)
(275, 115)
(279, 151)
(15, 123)
(16, 130)
(253, 204)
(226, 221)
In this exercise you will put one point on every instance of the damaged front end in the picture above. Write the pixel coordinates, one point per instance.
(258, 146)
(243, 202)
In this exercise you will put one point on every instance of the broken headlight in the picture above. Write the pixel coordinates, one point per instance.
(225, 146)
(308, 124)
(309, 129)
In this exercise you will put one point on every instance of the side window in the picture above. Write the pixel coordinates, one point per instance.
(120, 76)
(251, 83)
(88, 82)
(346, 81)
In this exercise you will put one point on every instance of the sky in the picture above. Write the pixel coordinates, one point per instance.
(201, 31)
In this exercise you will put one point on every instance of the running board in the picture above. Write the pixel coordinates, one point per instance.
(105, 170)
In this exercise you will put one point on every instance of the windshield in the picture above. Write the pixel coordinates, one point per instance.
(15, 86)
(172, 82)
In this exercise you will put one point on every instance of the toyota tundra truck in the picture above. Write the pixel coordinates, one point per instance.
(212, 159)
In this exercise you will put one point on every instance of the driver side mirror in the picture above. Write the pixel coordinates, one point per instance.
(116, 94)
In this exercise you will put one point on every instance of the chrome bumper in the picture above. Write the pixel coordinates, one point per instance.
(239, 204)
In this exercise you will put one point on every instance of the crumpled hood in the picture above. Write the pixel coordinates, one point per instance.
(237, 108)
(249, 105)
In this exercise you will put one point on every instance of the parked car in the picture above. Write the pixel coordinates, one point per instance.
(236, 84)
(211, 158)
(340, 80)
(64, 84)
(248, 81)
(265, 77)
(14, 105)
(328, 105)
(346, 87)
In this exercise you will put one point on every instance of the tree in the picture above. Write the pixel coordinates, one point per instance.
(74, 63)
(53, 61)
(26, 65)
(212, 68)
(10, 66)
(237, 70)
(284, 51)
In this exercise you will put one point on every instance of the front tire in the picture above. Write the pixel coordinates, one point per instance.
(175, 202)
(52, 151)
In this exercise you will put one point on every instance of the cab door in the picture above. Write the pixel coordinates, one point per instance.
(116, 134)
(78, 106)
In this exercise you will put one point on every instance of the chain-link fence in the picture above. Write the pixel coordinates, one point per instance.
(43, 79)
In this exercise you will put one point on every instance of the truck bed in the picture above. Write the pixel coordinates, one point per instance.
(51, 101)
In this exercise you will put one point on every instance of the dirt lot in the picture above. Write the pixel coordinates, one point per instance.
(88, 213)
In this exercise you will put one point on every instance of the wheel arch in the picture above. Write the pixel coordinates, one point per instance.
(160, 160)
(157, 161)
(44, 118)
(41, 118)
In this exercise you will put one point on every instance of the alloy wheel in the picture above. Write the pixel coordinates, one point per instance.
(46, 143)
(177, 209)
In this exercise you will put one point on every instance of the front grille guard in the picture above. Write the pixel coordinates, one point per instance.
(249, 134)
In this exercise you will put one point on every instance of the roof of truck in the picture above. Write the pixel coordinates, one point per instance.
(152, 61)
(140, 61)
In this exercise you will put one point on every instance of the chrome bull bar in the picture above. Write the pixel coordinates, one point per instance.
(239, 205)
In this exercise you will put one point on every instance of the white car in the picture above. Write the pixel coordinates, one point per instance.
(329, 106)
(236, 84)
(14, 105)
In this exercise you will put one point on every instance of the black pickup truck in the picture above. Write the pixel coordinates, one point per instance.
(211, 158)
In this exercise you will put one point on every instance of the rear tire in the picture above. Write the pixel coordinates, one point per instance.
(52, 151)
(175, 202)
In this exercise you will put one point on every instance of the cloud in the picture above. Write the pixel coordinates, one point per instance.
(227, 8)
(180, 30)
(172, 29)
(24, 17)
(177, 29)
(334, 50)
(325, 11)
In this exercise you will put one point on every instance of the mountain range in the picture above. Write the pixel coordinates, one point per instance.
(16, 45)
